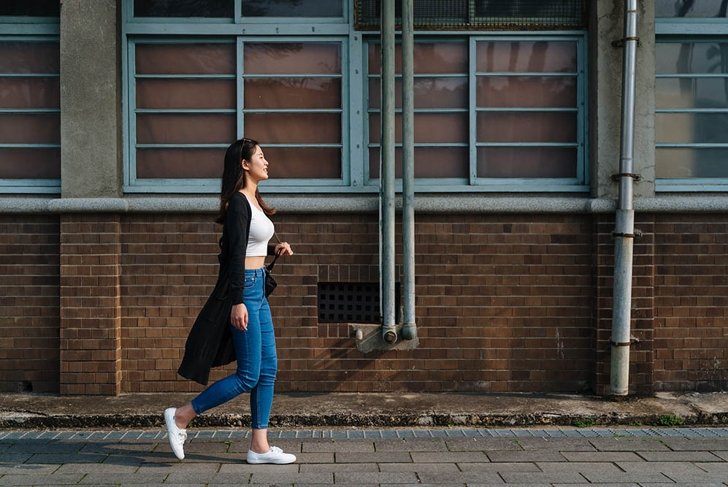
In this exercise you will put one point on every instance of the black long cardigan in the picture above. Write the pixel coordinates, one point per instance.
(210, 343)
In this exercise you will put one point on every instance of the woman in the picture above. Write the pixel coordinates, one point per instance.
(245, 332)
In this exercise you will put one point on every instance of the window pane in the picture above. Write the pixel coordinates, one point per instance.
(184, 8)
(429, 57)
(691, 57)
(522, 91)
(430, 162)
(292, 57)
(692, 163)
(428, 92)
(179, 163)
(292, 93)
(522, 56)
(29, 92)
(185, 93)
(701, 128)
(690, 8)
(29, 57)
(691, 93)
(294, 128)
(429, 127)
(516, 162)
(526, 127)
(293, 8)
(303, 162)
(30, 163)
(185, 129)
(185, 59)
(31, 8)
(39, 128)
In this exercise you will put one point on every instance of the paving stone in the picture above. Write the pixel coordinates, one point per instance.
(40, 479)
(337, 446)
(12, 458)
(27, 468)
(322, 457)
(721, 454)
(691, 444)
(704, 477)
(542, 477)
(556, 444)
(97, 467)
(130, 478)
(714, 467)
(374, 457)
(602, 456)
(117, 448)
(342, 467)
(460, 478)
(683, 484)
(483, 444)
(58, 458)
(526, 456)
(46, 447)
(666, 468)
(297, 478)
(602, 485)
(628, 444)
(409, 444)
(679, 456)
(357, 478)
(206, 447)
(449, 457)
(418, 467)
(641, 477)
(499, 467)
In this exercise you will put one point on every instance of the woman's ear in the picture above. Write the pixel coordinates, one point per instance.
(245, 165)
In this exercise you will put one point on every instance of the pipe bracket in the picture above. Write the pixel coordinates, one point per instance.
(637, 234)
(621, 42)
(618, 176)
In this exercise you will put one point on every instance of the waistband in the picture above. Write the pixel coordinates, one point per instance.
(255, 272)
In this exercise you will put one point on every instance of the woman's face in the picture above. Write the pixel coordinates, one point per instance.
(257, 166)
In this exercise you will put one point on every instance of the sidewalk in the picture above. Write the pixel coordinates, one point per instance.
(554, 457)
(20, 411)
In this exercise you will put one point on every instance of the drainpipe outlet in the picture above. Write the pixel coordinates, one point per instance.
(389, 334)
(409, 331)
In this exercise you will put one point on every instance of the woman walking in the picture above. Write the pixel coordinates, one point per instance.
(236, 322)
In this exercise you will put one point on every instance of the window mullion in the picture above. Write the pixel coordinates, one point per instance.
(472, 112)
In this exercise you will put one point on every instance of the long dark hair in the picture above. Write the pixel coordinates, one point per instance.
(233, 176)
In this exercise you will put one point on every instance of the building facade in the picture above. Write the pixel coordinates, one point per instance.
(115, 115)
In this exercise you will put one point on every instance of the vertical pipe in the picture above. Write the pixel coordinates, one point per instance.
(409, 330)
(387, 261)
(624, 225)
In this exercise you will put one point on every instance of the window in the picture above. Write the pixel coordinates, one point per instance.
(501, 112)
(30, 160)
(691, 95)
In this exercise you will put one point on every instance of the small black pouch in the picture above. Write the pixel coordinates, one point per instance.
(270, 282)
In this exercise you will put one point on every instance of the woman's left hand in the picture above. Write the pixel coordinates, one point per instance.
(283, 249)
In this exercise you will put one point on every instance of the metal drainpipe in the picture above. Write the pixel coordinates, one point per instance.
(409, 330)
(624, 226)
(386, 174)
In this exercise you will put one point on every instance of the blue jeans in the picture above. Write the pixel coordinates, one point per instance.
(255, 350)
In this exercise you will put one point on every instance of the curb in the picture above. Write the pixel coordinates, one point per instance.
(68, 421)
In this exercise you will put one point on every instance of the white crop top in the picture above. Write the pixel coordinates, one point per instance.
(261, 231)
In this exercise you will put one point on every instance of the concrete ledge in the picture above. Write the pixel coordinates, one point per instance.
(465, 204)
(32, 411)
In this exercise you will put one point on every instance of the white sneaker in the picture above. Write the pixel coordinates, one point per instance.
(176, 435)
(274, 455)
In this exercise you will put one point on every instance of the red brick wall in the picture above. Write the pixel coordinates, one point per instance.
(90, 305)
(504, 303)
(29, 310)
(691, 303)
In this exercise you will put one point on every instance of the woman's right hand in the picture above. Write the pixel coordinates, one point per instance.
(239, 317)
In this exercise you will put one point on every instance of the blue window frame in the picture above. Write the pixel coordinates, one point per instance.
(318, 120)
(691, 96)
(29, 102)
